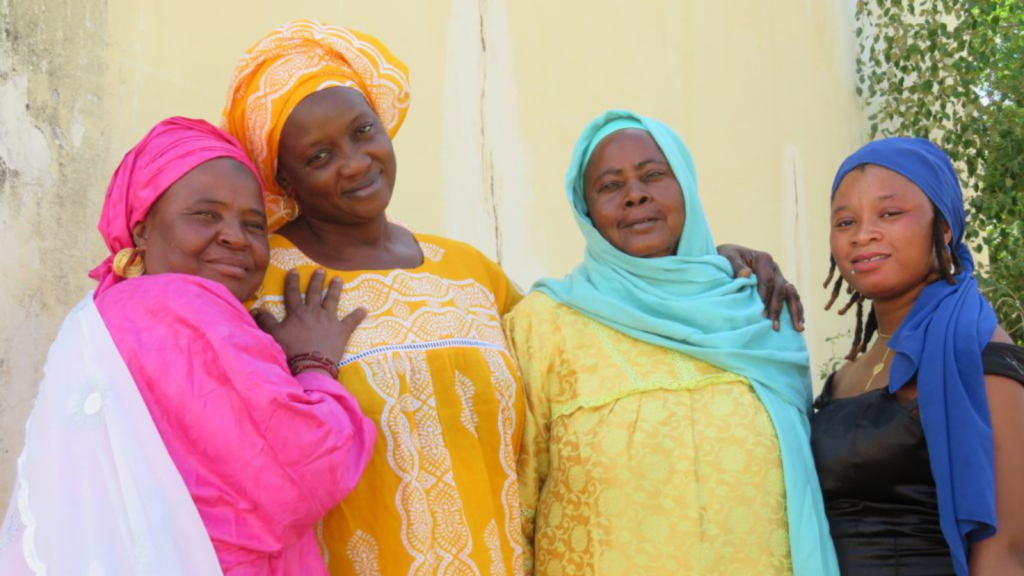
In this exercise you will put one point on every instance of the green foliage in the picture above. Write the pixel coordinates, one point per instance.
(836, 357)
(953, 71)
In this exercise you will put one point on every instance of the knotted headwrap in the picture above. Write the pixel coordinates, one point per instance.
(690, 302)
(288, 65)
(941, 341)
(170, 150)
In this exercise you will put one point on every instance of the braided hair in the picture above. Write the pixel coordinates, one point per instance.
(949, 267)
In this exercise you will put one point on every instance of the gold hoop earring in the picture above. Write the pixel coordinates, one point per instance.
(128, 263)
(290, 208)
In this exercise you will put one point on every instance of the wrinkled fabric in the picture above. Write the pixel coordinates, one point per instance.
(941, 341)
(264, 455)
(632, 460)
(169, 151)
(691, 303)
(302, 58)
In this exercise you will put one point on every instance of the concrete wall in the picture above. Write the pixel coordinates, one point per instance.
(762, 92)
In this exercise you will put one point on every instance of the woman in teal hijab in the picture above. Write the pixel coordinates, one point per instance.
(666, 422)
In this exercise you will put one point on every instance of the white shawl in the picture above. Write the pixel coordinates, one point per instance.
(97, 493)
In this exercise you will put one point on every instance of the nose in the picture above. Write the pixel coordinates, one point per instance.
(232, 234)
(636, 194)
(353, 163)
(866, 233)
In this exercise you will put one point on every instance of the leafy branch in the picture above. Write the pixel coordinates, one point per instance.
(953, 71)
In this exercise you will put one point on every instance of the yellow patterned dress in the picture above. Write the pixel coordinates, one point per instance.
(640, 460)
(431, 367)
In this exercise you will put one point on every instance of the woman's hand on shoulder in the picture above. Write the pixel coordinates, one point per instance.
(311, 325)
(771, 284)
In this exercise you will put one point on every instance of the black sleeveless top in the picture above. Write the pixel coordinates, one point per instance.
(876, 478)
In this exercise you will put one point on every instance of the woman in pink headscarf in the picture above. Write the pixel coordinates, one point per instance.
(171, 435)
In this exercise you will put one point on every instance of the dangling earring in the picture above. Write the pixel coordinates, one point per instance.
(128, 263)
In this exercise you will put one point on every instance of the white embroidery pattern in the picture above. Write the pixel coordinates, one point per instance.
(288, 258)
(464, 386)
(364, 554)
(494, 545)
(505, 390)
(434, 526)
(28, 519)
(439, 309)
(432, 252)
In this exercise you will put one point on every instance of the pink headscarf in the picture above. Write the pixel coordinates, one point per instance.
(171, 149)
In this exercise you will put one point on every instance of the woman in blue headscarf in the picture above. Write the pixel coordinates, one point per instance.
(666, 425)
(918, 436)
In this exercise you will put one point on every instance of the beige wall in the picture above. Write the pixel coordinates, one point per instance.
(761, 91)
(53, 168)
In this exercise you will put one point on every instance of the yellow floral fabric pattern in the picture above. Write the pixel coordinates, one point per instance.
(640, 460)
(430, 365)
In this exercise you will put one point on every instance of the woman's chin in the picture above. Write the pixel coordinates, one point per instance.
(880, 292)
(659, 250)
(365, 210)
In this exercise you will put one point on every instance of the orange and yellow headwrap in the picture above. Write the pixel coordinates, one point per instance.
(301, 58)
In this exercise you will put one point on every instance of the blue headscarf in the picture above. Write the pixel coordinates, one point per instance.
(941, 341)
(691, 303)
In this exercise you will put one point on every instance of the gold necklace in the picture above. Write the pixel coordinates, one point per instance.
(881, 365)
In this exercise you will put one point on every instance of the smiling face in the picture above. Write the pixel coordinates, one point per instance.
(210, 223)
(632, 195)
(336, 158)
(882, 233)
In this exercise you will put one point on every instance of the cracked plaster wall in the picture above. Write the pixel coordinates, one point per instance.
(51, 143)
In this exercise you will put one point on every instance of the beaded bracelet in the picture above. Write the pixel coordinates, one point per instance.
(312, 360)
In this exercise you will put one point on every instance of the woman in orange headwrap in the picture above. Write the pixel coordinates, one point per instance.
(316, 107)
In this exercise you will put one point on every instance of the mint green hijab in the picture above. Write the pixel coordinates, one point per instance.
(691, 302)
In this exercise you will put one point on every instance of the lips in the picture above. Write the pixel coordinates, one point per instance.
(868, 261)
(365, 186)
(233, 266)
(640, 222)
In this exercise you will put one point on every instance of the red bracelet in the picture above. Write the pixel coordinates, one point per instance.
(312, 361)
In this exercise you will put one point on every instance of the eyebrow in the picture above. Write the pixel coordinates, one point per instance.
(845, 206)
(643, 163)
(617, 171)
(221, 203)
(321, 141)
(211, 201)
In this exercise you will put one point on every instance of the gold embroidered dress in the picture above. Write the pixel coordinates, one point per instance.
(431, 367)
(637, 459)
